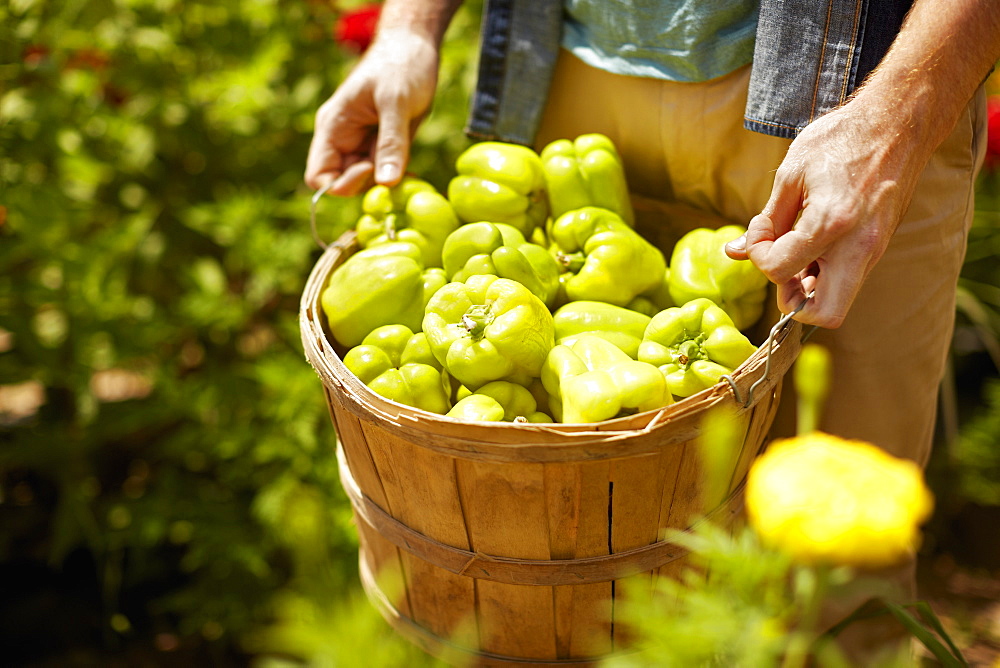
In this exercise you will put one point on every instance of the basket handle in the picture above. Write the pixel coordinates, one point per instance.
(312, 215)
(775, 330)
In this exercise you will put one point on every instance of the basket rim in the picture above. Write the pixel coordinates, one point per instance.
(481, 438)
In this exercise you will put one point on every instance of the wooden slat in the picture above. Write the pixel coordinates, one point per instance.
(352, 440)
(672, 570)
(686, 501)
(562, 501)
(385, 562)
(444, 601)
(578, 511)
(591, 620)
(668, 473)
(635, 504)
(505, 511)
(371, 443)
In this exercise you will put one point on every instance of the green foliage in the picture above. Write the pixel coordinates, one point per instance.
(739, 603)
(154, 242)
(972, 457)
(976, 454)
(334, 636)
(738, 613)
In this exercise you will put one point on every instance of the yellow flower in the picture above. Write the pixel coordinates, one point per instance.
(823, 499)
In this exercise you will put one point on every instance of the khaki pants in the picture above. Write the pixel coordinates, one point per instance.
(690, 162)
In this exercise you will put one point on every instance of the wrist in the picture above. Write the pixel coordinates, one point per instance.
(938, 60)
(425, 19)
(904, 111)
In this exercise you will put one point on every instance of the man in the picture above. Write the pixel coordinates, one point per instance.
(855, 176)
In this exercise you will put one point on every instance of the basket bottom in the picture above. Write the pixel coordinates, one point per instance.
(444, 649)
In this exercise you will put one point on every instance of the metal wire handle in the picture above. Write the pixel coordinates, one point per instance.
(312, 214)
(778, 326)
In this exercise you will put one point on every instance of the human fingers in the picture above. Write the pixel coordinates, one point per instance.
(761, 230)
(834, 285)
(392, 144)
(323, 163)
(341, 138)
(776, 219)
(775, 241)
(353, 180)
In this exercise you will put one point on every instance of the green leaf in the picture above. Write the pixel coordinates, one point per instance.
(927, 614)
(921, 633)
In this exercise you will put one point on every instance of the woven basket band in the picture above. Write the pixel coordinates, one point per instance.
(508, 570)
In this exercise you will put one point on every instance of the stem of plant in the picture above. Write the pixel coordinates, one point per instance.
(801, 643)
(812, 382)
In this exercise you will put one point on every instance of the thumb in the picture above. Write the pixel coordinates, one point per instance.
(737, 248)
(770, 233)
(392, 147)
(776, 219)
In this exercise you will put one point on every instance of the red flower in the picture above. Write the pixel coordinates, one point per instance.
(88, 59)
(993, 131)
(34, 54)
(356, 28)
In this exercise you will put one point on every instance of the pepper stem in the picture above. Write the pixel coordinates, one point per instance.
(572, 262)
(688, 351)
(476, 320)
(389, 225)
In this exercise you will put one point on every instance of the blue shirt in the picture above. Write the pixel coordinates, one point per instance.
(678, 40)
(808, 57)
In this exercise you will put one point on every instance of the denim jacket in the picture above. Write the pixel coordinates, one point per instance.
(809, 55)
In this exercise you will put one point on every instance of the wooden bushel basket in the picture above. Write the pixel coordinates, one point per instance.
(504, 543)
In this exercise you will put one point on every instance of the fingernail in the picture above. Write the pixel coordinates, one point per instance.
(739, 244)
(387, 173)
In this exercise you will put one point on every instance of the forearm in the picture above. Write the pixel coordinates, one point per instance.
(429, 18)
(941, 56)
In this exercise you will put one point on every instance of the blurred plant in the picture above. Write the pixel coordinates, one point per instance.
(993, 131)
(350, 633)
(820, 510)
(967, 463)
(160, 429)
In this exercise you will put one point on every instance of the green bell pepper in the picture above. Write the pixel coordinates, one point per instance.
(500, 183)
(655, 300)
(410, 211)
(699, 267)
(516, 402)
(586, 172)
(694, 345)
(477, 408)
(604, 259)
(489, 328)
(398, 364)
(594, 380)
(501, 250)
(381, 285)
(621, 326)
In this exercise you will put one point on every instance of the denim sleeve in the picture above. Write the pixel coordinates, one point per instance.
(518, 51)
(810, 56)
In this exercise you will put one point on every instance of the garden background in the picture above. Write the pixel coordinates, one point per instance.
(168, 491)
